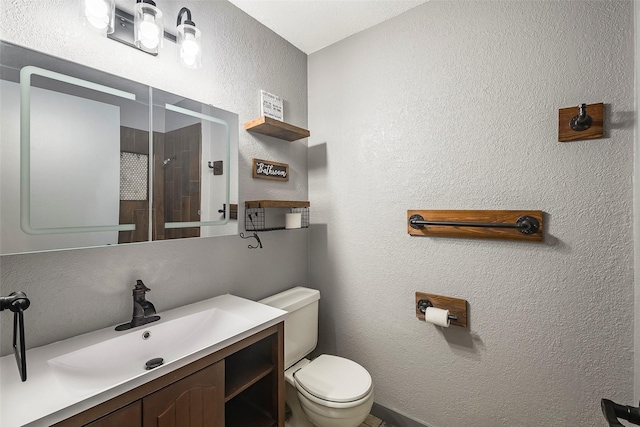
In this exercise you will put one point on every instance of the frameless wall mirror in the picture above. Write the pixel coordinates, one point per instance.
(92, 159)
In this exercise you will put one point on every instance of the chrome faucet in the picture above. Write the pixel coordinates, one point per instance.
(143, 310)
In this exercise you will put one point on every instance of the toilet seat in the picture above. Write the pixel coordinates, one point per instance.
(334, 381)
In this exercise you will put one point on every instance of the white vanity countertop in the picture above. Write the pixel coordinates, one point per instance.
(43, 400)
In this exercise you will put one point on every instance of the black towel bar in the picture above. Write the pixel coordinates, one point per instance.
(524, 224)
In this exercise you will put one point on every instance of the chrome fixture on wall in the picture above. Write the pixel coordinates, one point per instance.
(144, 30)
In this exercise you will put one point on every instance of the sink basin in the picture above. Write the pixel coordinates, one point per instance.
(114, 361)
(80, 372)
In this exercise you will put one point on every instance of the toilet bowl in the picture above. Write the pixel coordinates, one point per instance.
(334, 391)
(328, 391)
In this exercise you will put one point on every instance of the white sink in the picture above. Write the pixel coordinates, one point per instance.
(117, 360)
(69, 376)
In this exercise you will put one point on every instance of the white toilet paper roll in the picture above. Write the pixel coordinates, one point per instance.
(293, 220)
(437, 316)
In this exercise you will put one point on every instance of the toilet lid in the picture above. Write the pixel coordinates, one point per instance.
(334, 378)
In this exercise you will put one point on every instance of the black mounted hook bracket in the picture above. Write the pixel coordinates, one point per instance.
(17, 302)
(582, 121)
(216, 167)
(587, 124)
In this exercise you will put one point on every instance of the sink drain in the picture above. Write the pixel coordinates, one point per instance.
(153, 363)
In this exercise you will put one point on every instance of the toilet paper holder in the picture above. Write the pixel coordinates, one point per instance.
(457, 307)
(423, 304)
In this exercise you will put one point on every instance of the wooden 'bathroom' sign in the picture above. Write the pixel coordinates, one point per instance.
(264, 169)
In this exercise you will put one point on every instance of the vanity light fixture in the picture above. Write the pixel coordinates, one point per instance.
(99, 14)
(148, 28)
(144, 30)
(189, 41)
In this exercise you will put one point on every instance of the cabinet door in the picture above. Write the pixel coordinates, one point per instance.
(129, 416)
(195, 401)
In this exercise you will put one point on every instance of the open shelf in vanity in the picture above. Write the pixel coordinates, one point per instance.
(251, 381)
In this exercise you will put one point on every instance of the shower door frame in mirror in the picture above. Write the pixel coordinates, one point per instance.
(47, 214)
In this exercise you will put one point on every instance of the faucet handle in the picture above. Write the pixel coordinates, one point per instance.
(140, 286)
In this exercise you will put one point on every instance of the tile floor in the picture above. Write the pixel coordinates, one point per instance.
(372, 421)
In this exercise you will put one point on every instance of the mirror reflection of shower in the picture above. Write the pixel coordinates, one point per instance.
(165, 162)
(101, 172)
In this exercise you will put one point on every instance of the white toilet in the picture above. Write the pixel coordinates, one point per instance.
(329, 391)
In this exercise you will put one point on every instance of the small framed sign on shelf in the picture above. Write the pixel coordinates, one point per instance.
(271, 106)
(264, 169)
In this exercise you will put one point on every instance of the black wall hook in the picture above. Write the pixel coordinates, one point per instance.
(581, 127)
(582, 121)
(17, 302)
(255, 236)
(216, 167)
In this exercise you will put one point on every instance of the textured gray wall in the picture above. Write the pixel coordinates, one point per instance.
(454, 105)
(77, 291)
(636, 211)
(551, 324)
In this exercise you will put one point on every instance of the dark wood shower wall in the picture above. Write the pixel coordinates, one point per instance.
(176, 183)
(181, 187)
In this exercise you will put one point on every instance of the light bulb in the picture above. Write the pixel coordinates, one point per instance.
(148, 32)
(189, 45)
(148, 26)
(97, 13)
(189, 50)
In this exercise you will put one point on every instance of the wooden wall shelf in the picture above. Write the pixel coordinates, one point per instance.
(254, 204)
(461, 224)
(276, 128)
(267, 215)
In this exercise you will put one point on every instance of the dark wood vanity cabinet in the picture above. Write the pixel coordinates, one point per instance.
(129, 416)
(193, 401)
(239, 386)
(197, 400)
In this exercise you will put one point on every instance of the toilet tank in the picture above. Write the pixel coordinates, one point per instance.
(301, 325)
